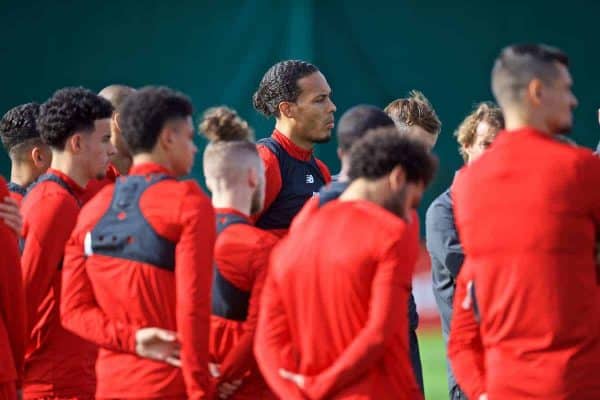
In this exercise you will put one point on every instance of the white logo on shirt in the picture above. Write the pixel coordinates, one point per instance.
(310, 178)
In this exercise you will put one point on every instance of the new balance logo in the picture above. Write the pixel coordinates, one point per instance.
(310, 178)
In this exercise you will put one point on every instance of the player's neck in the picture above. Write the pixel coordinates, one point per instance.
(234, 199)
(65, 163)
(361, 189)
(291, 132)
(516, 119)
(22, 174)
(154, 158)
(344, 170)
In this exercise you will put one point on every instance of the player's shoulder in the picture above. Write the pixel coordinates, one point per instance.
(51, 194)
(442, 203)
(3, 187)
(364, 215)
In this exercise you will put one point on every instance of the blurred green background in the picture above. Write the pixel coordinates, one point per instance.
(371, 52)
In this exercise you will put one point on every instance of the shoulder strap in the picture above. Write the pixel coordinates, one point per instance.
(50, 177)
(225, 220)
(13, 187)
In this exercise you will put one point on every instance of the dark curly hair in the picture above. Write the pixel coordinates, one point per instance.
(355, 123)
(383, 149)
(280, 83)
(18, 128)
(145, 112)
(70, 110)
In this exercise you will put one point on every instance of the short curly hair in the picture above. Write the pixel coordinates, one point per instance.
(279, 84)
(415, 110)
(485, 111)
(70, 110)
(18, 128)
(145, 112)
(383, 149)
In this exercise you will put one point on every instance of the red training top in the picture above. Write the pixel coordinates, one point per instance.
(273, 180)
(57, 363)
(106, 300)
(241, 254)
(330, 306)
(12, 304)
(528, 213)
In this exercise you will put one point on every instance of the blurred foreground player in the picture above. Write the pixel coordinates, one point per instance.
(29, 156)
(474, 135)
(329, 325)
(12, 311)
(141, 256)
(74, 122)
(297, 94)
(528, 212)
(235, 176)
(121, 160)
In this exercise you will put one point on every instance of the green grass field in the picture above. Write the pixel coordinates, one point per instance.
(434, 363)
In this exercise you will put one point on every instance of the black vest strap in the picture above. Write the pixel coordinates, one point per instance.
(13, 187)
(50, 177)
(228, 301)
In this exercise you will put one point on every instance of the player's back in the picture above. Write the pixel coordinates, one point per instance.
(137, 286)
(527, 220)
(325, 271)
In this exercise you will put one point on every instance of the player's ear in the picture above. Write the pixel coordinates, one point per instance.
(286, 109)
(166, 137)
(252, 178)
(534, 91)
(74, 143)
(397, 178)
(37, 156)
(114, 122)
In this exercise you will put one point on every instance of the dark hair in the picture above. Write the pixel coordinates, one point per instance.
(518, 64)
(355, 123)
(465, 134)
(280, 83)
(415, 110)
(145, 112)
(224, 124)
(68, 111)
(383, 149)
(18, 128)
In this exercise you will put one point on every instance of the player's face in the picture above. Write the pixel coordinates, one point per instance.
(559, 101)
(313, 110)
(484, 136)
(404, 200)
(97, 149)
(122, 158)
(183, 149)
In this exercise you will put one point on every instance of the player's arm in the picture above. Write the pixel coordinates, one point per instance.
(47, 230)
(80, 312)
(12, 299)
(442, 237)
(272, 178)
(241, 358)
(389, 293)
(273, 345)
(193, 279)
(465, 349)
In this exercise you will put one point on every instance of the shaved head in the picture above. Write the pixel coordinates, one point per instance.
(116, 94)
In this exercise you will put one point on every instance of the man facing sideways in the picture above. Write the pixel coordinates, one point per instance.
(416, 112)
(235, 176)
(527, 212)
(121, 160)
(74, 122)
(328, 325)
(141, 256)
(29, 156)
(474, 136)
(12, 311)
(297, 94)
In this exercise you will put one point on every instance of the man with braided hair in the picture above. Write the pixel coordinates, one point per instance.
(297, 94)
(235, 176)
(330, 324)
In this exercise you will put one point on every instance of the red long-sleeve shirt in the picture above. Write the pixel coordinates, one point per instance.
(330, 306)
(57, 363)
(273, 179)
(528, 213)
(241, 254)
(105, 299)
(12, 305)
